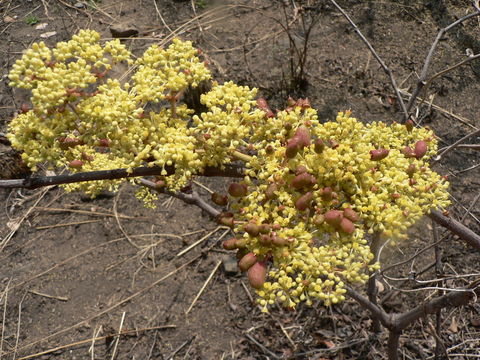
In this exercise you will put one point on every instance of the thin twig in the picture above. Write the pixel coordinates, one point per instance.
(114, 353)
(203, 287)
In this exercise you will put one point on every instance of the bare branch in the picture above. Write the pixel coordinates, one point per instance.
(423, 75)
(35, 182)
(377, 311)
(464, 233)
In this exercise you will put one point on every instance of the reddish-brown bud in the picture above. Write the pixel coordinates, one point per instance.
(409, 125)
(327, 194)
(24, 108)
(237, 189)
(303, 135)
(264, 228)
(380, 154)
(227, 221)
(76, 164)
(420, 149)
(230, 244)
(257, 274)
(347, 226)
(319, 146)
(252, 229)
(303, 180)
(279, 241)
(270, 191)
(408, 152)
(293, 145)
(247, 261)
(351, 215)
(303, 201)
(104, 142)
(219, 199)
(411, 170)
(333, 144)
(334, 217)
(265, 239)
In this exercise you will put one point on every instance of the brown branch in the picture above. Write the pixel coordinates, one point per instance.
(35, 182)
(423, 75)
(464, 233)
(193, 198)
(378, 58)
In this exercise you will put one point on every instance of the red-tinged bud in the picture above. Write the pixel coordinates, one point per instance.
(104, 143)
(319, 146)
(76, 164)
(230, 244)
(265, 239)
(276, 227)
(303, 134)
(237, 189)
(287, 126)
(270, 191)
(219, 199)
(264, 228)
(351, 215)
(241, 243)
(269, 150)
(24, 108)
(347, 226)
(408, 152)
(281, 207)
(380, 154)
(262, 104)
(412, 181)
(411, 170)
(86, 157)
(291, 101)
(327, 194)
(303, 201)
(247, 261)
(207, 136)
(396, 196)
(333, 144)
(420, 149)
(373, 188)
(405, 213)
(300, 170)
(270, 113)
(227, 221)
(279, 241)
(257, 274)
(409, 125)
(293, 146)
(333, 217)
(303, 180)
(252, 229)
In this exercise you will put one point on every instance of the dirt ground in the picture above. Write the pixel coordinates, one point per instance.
(73, 269)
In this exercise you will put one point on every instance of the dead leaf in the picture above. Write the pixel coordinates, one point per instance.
(8, 19)
(13, 225)
(380, 286)
(475, 322)
(41, 26)
(48, 34)
(329, 344)
(453, 328)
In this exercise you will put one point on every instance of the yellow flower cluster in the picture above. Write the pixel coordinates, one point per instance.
(312, 191)
(319, 189)
(87, 121)
(166, 73)
(230, 120)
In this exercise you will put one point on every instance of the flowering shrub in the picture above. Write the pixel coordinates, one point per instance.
(311, 193)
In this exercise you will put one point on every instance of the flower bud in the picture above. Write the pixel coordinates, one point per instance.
(264, 228)
(265, 239)
(409, 125)
(303, 201)
(241, 243)
(257, 274)
(230, 244)
(76, 164)
(293, 145)
(237, 189)
(103, 142)
(270, 191)
(411, 170)
(303, 135)
(408, 152)
(327, 194)
(380, 154)
(252, 229)
(347, 226)
(226, 220)
(303, 180)
(334, 217)
(247, 261)
(420, 149)
(279, 241)
(350, 215)
(319, 146)
(219, 199)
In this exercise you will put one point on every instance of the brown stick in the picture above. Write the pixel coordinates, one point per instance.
(464, 233)
(42, 181)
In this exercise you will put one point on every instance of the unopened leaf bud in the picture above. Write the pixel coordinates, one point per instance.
(257, 274)
(247, 261)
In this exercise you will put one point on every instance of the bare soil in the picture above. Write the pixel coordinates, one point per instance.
(73, 269)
